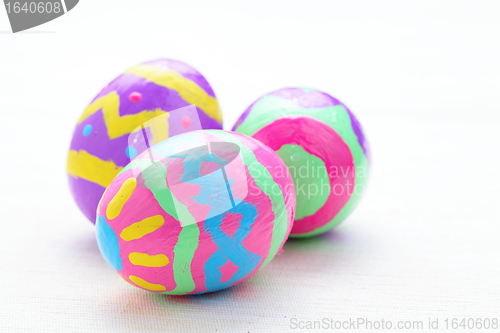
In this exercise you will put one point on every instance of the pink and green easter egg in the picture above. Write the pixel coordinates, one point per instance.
(324, 147)
(196, 213)
(99, 147)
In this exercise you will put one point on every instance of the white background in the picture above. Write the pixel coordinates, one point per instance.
(423, 79)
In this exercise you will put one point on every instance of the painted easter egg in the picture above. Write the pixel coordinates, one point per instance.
(324, 147)
(99, 148)
(196, 213)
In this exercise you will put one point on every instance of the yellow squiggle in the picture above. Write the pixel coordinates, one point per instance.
(141, 228)
(146, 285)
(187, 89)
(83, 165)
(116, 204)
(144, 259)
(116, 125)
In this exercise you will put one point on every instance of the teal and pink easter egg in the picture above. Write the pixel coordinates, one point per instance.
(195, 213)
(99, 148)
(324, 147)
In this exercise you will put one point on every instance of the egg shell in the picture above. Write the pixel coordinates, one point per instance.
(99, 147)
(219, 218)
(324, 146)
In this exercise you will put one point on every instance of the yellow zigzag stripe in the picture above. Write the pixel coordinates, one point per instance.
(159, 128)
(117, 126)
(187, 89)
(83, 165)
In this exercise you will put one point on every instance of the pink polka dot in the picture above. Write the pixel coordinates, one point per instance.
(186, 122)
(103, 88)
(135, 97)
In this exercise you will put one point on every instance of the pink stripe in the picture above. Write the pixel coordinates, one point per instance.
(319, 139)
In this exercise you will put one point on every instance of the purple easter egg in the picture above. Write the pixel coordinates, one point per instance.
(100, 148)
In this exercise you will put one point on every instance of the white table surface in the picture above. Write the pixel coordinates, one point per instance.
(422, 77)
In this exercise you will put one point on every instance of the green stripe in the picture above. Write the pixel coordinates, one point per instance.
(184, 253)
